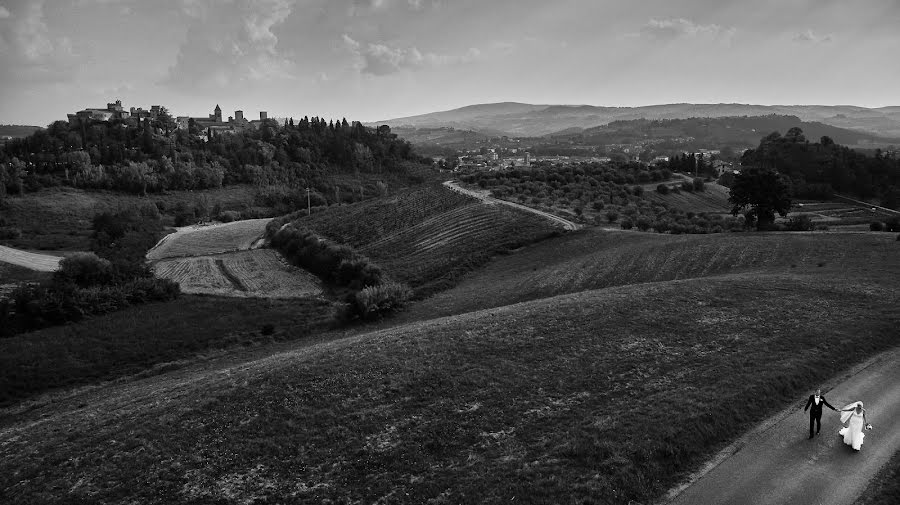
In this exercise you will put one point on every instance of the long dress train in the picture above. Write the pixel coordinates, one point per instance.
(853, 433)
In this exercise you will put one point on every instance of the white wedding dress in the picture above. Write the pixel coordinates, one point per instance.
(853, 433)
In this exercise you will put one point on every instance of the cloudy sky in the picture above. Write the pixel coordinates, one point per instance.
(377, 59)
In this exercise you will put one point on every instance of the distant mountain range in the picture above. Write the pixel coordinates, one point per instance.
(528, 120)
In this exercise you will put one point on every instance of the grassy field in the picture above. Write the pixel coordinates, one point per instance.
(199, 240)
(592, 259)
(60, 218)
(713, 199)
(605, 396)
(140, 338)
(261, 273)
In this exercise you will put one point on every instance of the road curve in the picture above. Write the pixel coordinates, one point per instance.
(565, 223)
(777, 463)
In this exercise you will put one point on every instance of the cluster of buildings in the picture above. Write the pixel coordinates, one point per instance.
(209, 126)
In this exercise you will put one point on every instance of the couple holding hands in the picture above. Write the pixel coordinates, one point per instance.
(852, 412)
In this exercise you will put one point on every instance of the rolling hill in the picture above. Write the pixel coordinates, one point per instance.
(555, 399)
(527, 120)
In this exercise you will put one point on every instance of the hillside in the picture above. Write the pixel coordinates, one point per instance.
(735, 131)
(427, 236)
(555, 399)
(525, 120)
(17, 131)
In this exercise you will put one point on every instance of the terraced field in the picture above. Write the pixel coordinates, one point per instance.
(211, 239)
(258, 273)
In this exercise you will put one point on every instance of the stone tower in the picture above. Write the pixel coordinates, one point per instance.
(218, 113)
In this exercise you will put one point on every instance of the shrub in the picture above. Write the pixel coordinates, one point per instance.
(627, 224)
(876, 226)
(698, 184)
(332, 262)
(687, 186)
(892, 224)
(611, 216)
(375, 302)
(662, 189)
(229, 216)
(642, 223)
(84, 269)
(800, 222)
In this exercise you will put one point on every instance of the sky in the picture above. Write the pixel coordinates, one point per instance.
(369, 60)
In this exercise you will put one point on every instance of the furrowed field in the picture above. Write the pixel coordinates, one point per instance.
(199, 240)
(256, 273)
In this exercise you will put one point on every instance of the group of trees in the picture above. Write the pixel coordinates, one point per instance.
(820, 169)
(152, 156)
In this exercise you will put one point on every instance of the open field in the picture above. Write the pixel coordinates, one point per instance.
(31, 261)
(202, 240)
(567, 399)
(593, 259)
(713, 199)
(147, 338)
(256, 273)
(60, 218)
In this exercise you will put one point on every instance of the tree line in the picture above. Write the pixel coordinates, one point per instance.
(820, 169)
(152, 156)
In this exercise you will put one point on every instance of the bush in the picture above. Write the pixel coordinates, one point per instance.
(375, 302)
(335, 263)
(892, 224)
(229, 216)
(687, 186)
(800, 222)
(642, 223)
(698, 184)
(83, 270)
(662, 189)
(876, 226)
(627, 224)
(611, 216)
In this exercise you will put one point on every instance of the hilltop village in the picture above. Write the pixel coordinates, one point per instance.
(203, 127)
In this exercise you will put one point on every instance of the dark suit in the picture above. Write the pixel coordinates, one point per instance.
(815, 414)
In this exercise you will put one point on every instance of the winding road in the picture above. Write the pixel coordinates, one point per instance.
(565, 223)
(777, 462)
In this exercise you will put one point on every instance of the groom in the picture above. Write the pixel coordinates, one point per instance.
(815, 415)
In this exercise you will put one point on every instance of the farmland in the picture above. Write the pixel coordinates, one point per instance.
(555, 399)
(253, 273)
(201, 240)
(31, 261)
(430, 236)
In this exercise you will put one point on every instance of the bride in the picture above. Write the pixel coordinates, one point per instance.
(853, 432)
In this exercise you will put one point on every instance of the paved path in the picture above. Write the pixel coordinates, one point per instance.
(565, 223)
(777, 463)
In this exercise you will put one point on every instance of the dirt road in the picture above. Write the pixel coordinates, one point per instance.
(565, 223)
(31, 261)
(778, 463)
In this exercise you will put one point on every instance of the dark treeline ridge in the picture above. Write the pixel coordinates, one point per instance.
(153, 156)
(820, 169)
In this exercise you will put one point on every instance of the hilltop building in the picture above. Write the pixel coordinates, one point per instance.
(112, 111)
(214, 124)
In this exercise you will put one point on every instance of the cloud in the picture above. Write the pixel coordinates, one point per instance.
(230, 43)
(382, 59)
(675, 28)
(809, 37)
(27, 45)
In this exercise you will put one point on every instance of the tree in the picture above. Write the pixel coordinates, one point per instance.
(165, 121)
(764, 191)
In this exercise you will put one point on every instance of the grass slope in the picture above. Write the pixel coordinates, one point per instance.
(60, 218)
(141, 337)
(603, 396)
(199, 240)
(592, 259)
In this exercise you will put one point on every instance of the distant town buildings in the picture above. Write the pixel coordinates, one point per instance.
(208, 126)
